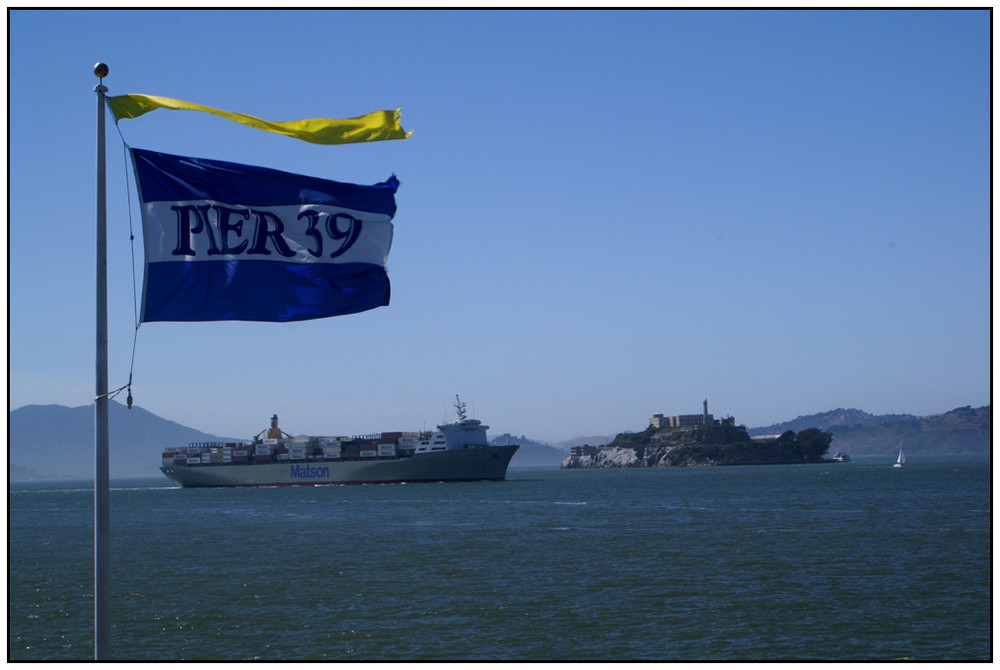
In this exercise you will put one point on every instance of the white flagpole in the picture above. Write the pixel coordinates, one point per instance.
(102, 511)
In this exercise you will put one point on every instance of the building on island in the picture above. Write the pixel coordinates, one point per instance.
(683, 420)
(584, 450)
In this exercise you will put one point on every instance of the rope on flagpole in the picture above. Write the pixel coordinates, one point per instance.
(135, 301)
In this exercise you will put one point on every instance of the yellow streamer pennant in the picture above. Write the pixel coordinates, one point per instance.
(373, 127)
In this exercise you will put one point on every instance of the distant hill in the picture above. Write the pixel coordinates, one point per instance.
(57, 442)
(532, 454)
(837, 418)
(962, 430)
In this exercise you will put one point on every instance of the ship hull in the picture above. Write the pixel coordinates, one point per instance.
(469, 464)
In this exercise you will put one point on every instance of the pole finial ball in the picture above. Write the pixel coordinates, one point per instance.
(101, 70)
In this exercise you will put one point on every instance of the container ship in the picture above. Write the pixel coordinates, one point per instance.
(457, 451)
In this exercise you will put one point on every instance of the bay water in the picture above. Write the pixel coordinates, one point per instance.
(845, 561)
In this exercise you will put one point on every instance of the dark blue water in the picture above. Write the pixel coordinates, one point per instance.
(843, 561)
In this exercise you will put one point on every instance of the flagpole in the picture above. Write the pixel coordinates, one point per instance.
(102, 515)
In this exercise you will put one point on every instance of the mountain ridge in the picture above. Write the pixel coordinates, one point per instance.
(960, 430)
(57, 442)
(833, 418)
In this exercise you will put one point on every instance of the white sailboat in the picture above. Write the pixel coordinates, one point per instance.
(901, 458)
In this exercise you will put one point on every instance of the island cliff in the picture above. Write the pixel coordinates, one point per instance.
(718, 443)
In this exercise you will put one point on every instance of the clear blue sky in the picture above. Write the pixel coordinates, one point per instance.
(602, 214)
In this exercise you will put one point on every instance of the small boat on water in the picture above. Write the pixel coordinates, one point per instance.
(900, 459)
(841, 457)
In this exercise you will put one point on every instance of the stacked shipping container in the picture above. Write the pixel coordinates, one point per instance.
(386, 445)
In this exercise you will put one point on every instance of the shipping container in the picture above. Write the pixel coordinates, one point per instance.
(387, 450)
(262, 450)
(369, 453)
(194, 460)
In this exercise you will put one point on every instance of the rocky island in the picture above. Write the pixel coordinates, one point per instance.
(699, 439)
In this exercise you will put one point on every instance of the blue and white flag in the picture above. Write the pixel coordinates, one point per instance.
(226, 241)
